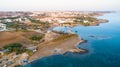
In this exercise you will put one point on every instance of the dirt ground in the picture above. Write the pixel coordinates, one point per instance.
(15, 37)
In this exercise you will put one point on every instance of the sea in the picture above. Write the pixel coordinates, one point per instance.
(103, 45)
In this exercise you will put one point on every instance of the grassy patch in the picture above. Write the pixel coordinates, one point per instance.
(64, 37)
(14, 47)
(37, 37)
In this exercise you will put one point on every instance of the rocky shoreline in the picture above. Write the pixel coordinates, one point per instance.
(58, 47)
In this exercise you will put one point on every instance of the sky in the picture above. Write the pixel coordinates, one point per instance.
(54, 5)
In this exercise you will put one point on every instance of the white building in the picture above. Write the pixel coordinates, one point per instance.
(1, 53)
(85, 21)
(2, 27)
(8, 20)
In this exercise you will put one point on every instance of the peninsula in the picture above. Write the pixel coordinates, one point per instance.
(59, 45)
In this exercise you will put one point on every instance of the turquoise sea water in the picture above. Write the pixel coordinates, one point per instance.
(103, 47)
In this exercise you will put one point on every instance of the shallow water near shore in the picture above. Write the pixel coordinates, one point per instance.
(103, 44)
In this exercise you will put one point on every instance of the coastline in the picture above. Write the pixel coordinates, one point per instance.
(58, 47)
(48, 50)
(96, 23)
